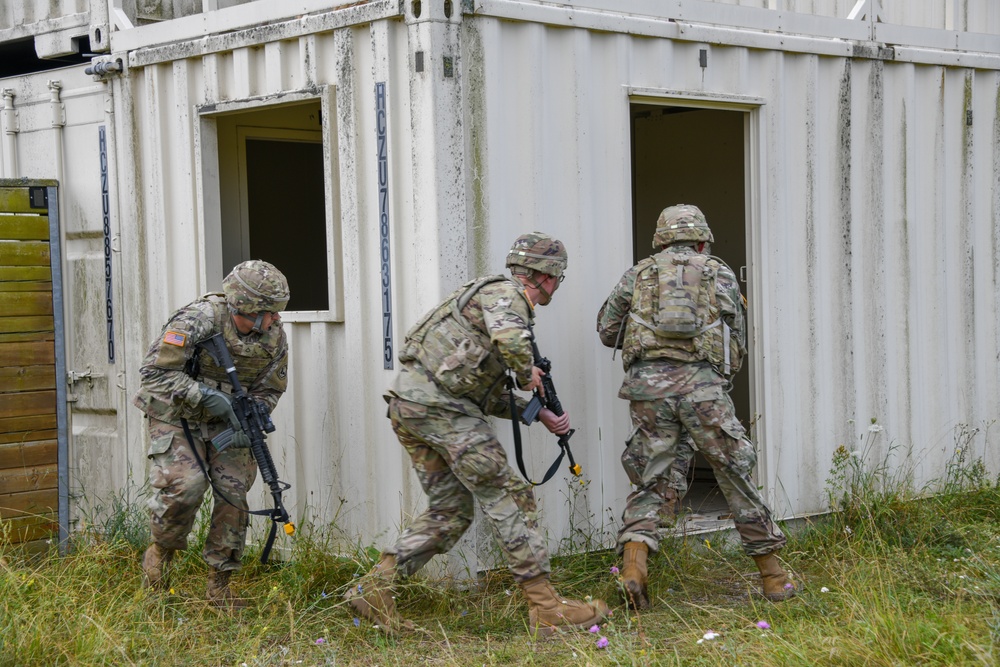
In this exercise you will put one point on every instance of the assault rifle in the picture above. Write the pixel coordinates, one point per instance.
(255, 420)
(550, 400)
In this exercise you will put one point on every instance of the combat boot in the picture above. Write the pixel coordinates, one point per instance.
(372, 597)
(634, 575)
(778, 585)
(154, 566)
(548, 612)
(219, 593)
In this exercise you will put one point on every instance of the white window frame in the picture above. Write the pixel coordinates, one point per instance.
(209, 186)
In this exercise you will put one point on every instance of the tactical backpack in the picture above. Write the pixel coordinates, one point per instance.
(687, 323)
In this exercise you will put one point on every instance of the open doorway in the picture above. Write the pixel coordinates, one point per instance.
(692, 155)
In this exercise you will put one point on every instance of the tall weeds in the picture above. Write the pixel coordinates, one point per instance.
(896, 576)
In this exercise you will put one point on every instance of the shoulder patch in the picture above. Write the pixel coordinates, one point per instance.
(174, 338)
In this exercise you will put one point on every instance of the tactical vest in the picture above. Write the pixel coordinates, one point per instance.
(460, 356)
(250, 354)
(675, 314)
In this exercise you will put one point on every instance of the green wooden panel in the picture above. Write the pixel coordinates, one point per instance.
(15, 200)
(27, 378)
(25, 286)
(29, 478)
(26, 273)
(24, 253)
(27, 447)
(25, 303)
(20, 438)
(44, 501)
(24, 227)
(15, 195)
(27, 337)
(28, 403)
(29, 353)
(32, 532)
(27, 323)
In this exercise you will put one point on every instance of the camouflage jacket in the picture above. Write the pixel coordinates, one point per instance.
(168, 393)
(457, 358)
(639, 289)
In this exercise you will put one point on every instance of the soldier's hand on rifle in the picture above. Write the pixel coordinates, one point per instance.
(557, 425)
(219, 405)
(240, 439)
(536, 381)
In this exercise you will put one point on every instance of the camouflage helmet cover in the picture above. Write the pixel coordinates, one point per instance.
(538, 252)
(256, 286)
(682, 222)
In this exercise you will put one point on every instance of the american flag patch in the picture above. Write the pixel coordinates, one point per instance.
(174, 338)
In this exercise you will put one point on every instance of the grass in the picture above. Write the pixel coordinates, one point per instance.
(893, 578)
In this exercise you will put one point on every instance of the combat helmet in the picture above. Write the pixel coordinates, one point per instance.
(537, 252)
(681, 222)
(256, 286)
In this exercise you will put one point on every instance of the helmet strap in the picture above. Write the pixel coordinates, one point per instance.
(538, 286)
(258, 320)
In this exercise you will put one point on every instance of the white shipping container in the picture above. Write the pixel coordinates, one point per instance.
(849, 169)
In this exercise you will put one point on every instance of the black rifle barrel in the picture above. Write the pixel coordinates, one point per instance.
(255, 422)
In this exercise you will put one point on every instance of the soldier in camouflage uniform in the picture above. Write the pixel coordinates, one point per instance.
(682, 317)
(452, 375)
(182, 386)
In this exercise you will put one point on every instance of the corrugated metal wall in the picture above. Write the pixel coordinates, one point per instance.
(874, 279)
(19, 13)
(52, 131)
(873, 276)
(333, 442)
(874, 226)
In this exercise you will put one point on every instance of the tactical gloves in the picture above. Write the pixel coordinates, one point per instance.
(240, 439)
(220, 406)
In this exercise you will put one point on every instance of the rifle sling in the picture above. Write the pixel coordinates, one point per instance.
(268, 513)
(518, 450)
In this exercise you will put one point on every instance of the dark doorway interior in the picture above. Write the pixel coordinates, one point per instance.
(287, 215)
(272, 197)
(684, 155)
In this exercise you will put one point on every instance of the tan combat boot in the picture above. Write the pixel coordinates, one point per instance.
(778, 585)
(372, 597)
(548, 612)
(219, 593)
(154, 565)
(634, 575)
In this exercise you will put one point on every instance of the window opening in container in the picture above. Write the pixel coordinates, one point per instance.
(272, 197)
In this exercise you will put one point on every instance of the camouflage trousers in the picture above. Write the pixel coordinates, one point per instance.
(179, 486)
(458, 460)
(707, 415)
(674, 485)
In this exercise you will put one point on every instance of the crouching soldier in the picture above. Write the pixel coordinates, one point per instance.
(453, 366)
(186, 397)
